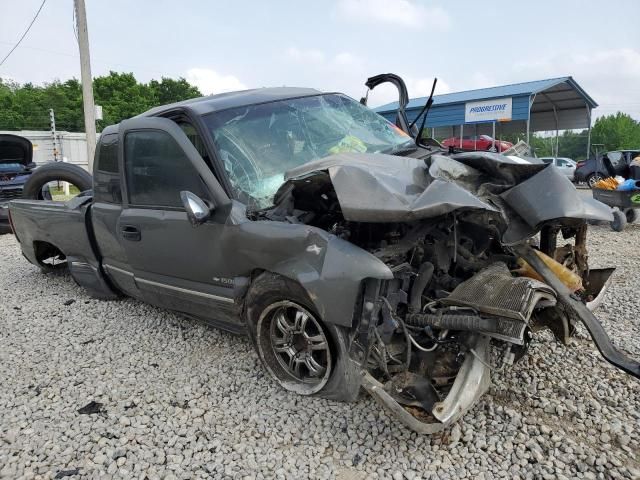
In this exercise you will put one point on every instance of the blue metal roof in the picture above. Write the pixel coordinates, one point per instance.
(513, 90)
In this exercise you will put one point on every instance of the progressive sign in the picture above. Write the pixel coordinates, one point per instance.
(498, 110)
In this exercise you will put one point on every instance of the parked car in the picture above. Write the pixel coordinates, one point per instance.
(477, 143)
(16, 165)
(566, 166)
(350, 252)
(593, 170)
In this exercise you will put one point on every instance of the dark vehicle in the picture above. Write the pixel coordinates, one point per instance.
(16, 165)
(351, 253)
(593, 169)
(477, 142)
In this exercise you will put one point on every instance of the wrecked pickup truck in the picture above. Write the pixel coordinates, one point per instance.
(351, 253)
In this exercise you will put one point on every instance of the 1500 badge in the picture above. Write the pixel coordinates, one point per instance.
(223, 281)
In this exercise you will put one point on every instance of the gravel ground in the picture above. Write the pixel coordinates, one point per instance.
(181, 400)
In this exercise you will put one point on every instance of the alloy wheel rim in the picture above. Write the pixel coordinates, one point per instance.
(298, 344)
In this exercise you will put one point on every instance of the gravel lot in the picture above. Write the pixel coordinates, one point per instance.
(182, 400)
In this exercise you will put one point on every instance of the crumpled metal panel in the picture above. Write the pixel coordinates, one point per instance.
(388, 188)
(549, 195)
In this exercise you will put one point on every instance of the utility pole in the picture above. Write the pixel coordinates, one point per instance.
(87, 84)
(52, 120)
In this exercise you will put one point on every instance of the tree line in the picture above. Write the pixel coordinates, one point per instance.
(617, 131)
(26, 107)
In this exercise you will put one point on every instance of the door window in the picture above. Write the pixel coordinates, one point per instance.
(158, 170)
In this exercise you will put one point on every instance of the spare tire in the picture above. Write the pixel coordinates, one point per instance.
(52, 172)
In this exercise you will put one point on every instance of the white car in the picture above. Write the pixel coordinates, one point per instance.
(565, 165)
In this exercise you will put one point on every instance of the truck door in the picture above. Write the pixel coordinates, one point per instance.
(106, 211)
(174, 264)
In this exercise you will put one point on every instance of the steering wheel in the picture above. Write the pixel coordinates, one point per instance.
(242, 170)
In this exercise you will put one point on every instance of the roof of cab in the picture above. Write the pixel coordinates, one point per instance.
(224, 101)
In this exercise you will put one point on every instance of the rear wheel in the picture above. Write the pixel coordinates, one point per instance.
(593, 179)
(301, 352)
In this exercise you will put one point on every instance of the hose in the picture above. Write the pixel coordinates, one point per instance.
(456, 321)
(420, 283)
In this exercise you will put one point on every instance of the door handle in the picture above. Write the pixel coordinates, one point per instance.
(130, 232)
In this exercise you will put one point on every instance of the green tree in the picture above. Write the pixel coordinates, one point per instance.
(616, 131)
(120, 95)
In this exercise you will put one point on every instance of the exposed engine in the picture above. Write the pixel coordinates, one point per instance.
(454, 232)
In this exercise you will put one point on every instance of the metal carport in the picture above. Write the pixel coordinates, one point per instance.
(544, 105)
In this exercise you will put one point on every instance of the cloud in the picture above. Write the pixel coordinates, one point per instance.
(610, 77)
(404, 13)
(320, 60)
(346, 72)
(311, 55)
(210, 82)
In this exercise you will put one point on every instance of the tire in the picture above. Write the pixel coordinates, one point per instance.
(631, 215)
(336, 376)
(55, 172)
(619, 221)
(593, 178)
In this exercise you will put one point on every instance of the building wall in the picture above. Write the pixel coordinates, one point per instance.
(453, 113)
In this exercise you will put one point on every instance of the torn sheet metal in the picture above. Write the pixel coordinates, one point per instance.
(389, 188)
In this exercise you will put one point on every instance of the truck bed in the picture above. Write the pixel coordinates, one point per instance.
(65, 226)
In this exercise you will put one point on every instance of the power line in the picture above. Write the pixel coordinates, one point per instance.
(25, 33)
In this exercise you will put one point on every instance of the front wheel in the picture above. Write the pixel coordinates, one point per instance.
(301, 352)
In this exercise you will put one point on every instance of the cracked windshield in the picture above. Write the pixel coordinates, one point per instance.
(259, 143)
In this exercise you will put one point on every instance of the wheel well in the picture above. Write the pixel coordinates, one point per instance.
(48, 254)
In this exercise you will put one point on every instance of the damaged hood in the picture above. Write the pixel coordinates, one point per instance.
(389, 188)
(385, 188)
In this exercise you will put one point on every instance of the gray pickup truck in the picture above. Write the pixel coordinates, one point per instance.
(352, 252)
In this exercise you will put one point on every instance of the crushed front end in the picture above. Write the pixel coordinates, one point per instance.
(472, 241)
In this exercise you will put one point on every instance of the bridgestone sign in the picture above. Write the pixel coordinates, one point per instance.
(488, 111)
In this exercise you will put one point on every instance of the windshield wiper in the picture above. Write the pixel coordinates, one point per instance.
(403, 148)
(425, 111)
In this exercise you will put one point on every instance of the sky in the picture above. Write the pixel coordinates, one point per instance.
(334, 45)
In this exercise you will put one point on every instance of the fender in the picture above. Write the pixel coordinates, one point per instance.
(329, 268)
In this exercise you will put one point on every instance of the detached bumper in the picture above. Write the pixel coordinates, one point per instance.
(578, 311)
(472, 381)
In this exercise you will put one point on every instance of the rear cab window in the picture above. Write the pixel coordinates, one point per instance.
(107, 184)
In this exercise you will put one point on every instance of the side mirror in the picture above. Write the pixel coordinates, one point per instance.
(197, 210)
